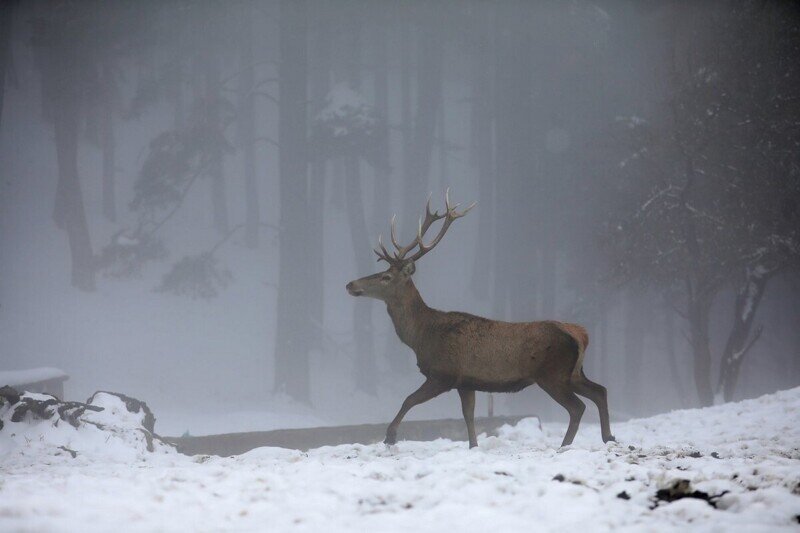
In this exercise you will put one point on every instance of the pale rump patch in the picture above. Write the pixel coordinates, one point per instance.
(581, 336)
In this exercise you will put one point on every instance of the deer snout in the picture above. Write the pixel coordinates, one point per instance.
(354, 289)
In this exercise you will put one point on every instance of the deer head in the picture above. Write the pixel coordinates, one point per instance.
(386, 285)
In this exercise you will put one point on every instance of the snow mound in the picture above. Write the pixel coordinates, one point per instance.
(109, 426)
(733, 467)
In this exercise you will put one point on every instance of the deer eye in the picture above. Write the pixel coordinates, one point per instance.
(386, 277)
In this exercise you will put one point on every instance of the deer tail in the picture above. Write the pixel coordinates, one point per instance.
(581, 337)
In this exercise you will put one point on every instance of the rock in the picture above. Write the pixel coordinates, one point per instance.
(134, 406)
(682, 488)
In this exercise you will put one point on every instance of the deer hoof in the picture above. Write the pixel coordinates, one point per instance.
(610, 438)
(391, 438)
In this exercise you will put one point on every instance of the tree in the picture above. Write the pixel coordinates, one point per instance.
(247, 128)
(715, 182)
(63, 61)
(291, 341)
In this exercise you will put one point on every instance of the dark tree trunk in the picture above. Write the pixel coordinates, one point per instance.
(429, 96)
(699, 309)
(444, 178)
(320, 85)
(672, 356)
(219, 202)
(748, 299)
(602, 344)
(246, 122)
(383, 184)
(406, 99)
(291, 340)
(548, 278)
(69, 213)
(63, 71)
(482, 151)
(6, 17)
(108, 146)
(365, 367)
(176, 95)
(633, 348)
(515, 284)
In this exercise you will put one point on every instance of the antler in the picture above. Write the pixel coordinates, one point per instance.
(449, 216)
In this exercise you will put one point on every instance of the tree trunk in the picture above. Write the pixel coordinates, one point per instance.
(219, 202)
(6, 17)
(320, 85)
(69, 213)
(634, 350)
(699, 309)
(429, 96)
(365, 368)
(548, 276)
(406, 98)
(672, 356)
(444, 178)
(602, 343)
(383, 170)
(246, 122)
(109, 146)
(482, 155)
(176, 96)
(748, 299)
(291, 340)
(62, 68)
(515, 284)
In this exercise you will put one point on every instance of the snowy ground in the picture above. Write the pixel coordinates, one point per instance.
(517, 481)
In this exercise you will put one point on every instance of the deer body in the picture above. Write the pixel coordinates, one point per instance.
(472, 352)
(469, 353)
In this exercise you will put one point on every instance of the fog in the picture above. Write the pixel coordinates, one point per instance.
(187, 187)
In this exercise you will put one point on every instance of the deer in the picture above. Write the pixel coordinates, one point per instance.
(469, 353)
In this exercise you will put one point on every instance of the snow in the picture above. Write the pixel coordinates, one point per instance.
(32, 375)
(515, 481)
(112, 434)
(346, 109)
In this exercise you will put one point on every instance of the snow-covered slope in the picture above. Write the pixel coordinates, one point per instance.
(744, 456)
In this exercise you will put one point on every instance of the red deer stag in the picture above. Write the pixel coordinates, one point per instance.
(470, 353)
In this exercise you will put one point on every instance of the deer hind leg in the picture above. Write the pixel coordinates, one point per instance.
(561, 391)
(468, 409)
(597, 394)
(427, 391)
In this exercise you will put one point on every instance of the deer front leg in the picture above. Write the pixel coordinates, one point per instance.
(427, 391)
(468, 409)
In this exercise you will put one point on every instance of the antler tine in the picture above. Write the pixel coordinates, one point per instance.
(394, 237)
(401, 250)
(423, 225)
(450, 215)
(465, 211)
(384, 253)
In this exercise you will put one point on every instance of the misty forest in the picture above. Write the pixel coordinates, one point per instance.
(187, 188)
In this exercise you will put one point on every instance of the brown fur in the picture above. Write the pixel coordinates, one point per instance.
(470, 353)
(581, 336)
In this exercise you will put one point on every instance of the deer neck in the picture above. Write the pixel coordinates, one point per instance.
(410, 315)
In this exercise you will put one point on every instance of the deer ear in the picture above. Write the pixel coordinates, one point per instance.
(408, 268)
